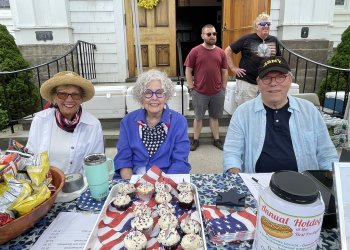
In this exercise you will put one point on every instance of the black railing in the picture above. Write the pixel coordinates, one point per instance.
(181, 77)
(309, 75)
(80, 59)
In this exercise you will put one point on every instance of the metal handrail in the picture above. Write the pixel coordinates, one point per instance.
(80, 59)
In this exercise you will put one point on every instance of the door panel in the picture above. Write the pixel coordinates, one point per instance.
(157, 37)
(238, 17)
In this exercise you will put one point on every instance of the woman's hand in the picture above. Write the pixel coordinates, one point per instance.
(126, 173)
(234, 170)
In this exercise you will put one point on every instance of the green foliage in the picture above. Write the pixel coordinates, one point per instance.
(22, 96)
(340, 59)
(3, 119)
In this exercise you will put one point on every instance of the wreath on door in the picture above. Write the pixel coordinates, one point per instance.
(148, 4)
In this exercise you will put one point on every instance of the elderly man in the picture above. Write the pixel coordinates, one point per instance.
(276, 131)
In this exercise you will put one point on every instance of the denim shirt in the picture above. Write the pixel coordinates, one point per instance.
(245, 137)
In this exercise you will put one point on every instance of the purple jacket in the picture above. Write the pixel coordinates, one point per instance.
(171, 157)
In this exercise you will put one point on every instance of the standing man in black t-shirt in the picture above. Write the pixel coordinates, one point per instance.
(254, 48)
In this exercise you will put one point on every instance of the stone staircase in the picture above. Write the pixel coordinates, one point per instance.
(111, 130)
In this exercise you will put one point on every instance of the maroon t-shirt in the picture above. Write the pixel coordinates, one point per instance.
(207, 65)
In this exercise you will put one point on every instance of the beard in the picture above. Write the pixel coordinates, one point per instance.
(210, 42)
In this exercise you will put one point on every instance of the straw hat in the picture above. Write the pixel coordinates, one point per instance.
(67, 78)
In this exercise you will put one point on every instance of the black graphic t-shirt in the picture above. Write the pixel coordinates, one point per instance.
(253, 50)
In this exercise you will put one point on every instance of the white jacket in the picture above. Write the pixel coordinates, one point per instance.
(87, 137)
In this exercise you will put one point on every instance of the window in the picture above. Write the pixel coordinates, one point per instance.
(4, 4)
(339, 2)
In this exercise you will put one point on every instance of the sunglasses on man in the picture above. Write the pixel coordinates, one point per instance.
(211, 33)
(264, 24)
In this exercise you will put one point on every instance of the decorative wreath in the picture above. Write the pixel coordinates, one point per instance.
(148, 4)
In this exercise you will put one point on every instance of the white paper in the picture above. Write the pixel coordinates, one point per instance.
(175, 177)
(69, 230)
(262, 181)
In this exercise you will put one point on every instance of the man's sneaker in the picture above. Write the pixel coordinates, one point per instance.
(218, 143)
(194, 145)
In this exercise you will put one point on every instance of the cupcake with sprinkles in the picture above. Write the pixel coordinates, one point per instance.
(162, 197)
(126, 188)
(143, 224)
(145, 191)
(191, 242)
(142, 209)
(121, 202)
(169, 238)
(184, 187)
(186, 200)
(165, 208)
(135, 240)
(190, 226)
(162, 187)
(167, 221)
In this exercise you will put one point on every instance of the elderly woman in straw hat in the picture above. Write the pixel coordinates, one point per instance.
(66, 131)
(154, 135)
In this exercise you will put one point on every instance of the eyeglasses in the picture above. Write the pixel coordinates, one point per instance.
(160, 93)
(64, 96)
(264, 23)
(211, 33)
(268, 79)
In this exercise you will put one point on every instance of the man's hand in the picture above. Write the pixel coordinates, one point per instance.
(238, 71)
(234, 170)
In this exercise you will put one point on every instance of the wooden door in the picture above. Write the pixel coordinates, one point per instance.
(238, 18)
(157, 37)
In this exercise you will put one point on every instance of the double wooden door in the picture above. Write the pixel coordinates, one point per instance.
(157, 29)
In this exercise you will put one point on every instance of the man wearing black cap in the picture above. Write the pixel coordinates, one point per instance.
(276, 131)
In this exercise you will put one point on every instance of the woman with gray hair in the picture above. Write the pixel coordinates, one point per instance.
(154, 135)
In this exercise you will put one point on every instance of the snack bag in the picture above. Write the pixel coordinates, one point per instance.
(16, 147)
(37, 167)
(8, 164)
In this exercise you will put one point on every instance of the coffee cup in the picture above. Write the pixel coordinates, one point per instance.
(98, 171)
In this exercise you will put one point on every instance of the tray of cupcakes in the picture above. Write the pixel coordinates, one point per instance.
(158, 211)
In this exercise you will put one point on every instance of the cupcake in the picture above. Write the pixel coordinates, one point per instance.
(190, 226)
(167, 221)
(186, 200)
(126, 188)
(191, 242)
(135, 240)
(142, 209)
(145, 191)
(169, 238)
(165, 208)
(162, 187)
(162, 197)
(121, 202)
(184, 187)
(143, 224)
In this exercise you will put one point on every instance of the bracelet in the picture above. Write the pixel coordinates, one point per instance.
(190, 90)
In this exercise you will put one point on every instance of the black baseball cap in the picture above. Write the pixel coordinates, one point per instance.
(273, 63)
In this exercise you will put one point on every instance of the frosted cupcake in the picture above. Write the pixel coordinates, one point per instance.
(143, 224)
(142, 209)
(186, 200)
(191, 242)
(126, 188)
(121, 202)
(169, 238)
(162, 187)
(162, 197)
(184, 187)
(190, 226)
(165, 208)
(145, 191)
(135, 240)
(167, 221)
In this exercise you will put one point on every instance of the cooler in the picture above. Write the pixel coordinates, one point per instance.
(294, 89)
(230, 96)
(108, 102)
(175, 102)
(131, 104)
(331, 99)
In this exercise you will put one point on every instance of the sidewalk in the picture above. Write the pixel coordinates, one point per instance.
(206, 159)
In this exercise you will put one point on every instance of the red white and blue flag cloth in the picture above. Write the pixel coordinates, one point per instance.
(115, 224)
(226, 226)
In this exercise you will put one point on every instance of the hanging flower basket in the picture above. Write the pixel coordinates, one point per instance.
(148, 4)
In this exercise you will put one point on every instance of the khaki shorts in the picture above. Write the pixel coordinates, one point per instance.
(245, 91)
(202, 103)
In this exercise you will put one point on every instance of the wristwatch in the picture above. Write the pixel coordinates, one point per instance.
(190, 90)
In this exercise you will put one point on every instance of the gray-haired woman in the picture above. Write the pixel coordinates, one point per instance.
(154, 135)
